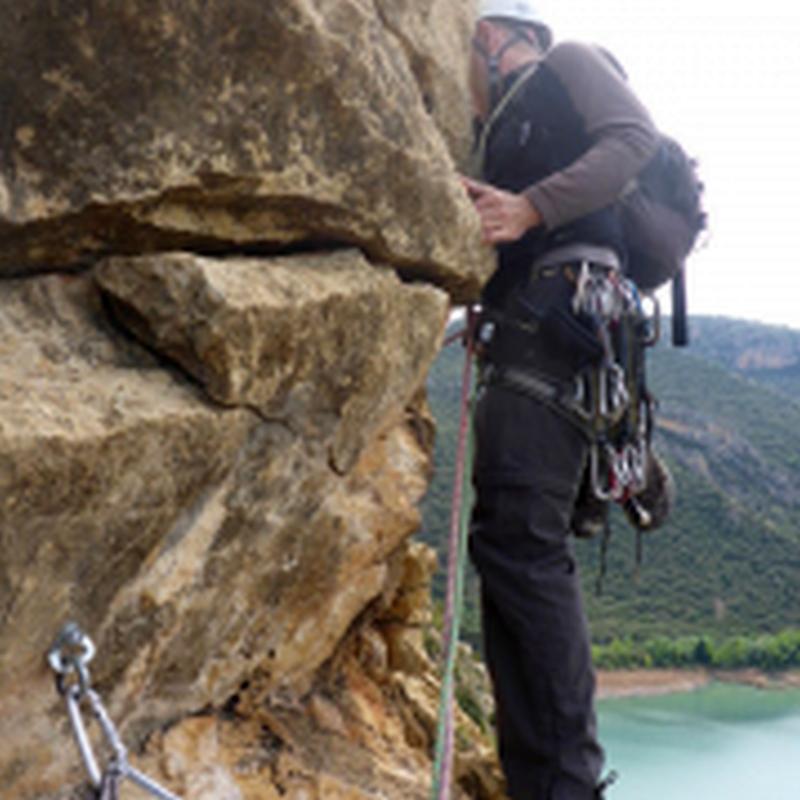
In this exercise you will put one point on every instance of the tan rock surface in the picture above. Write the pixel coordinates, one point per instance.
(108, 463)
(324, 343)
(437, 37)
(149, 126)
(214, 442)
(201, 545)
(367, 731)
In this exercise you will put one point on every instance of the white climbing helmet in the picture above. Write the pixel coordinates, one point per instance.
(522, 10)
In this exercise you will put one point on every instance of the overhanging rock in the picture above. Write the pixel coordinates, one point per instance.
(146, 126)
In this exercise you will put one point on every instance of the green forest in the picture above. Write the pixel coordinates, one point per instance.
(719, 583)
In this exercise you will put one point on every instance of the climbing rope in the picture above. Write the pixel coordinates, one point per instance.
(69, 658)
(456, 560)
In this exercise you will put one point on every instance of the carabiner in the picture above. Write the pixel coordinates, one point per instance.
(73, 696)
(71, 652)
(601, 492)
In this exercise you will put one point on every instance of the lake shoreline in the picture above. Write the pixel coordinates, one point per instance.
(612, 684)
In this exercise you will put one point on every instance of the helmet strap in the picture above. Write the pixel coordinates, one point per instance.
(493, 61)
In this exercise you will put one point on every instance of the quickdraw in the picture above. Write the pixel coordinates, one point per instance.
(613, 396)
(69, 658)
(623, 408)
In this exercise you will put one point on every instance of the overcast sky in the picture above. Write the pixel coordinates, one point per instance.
(724, 78)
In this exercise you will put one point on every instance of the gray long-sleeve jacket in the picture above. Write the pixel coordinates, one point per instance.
(619, 125)
(572, 139)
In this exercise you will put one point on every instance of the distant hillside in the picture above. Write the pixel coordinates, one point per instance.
(728, 562)
(765, 353)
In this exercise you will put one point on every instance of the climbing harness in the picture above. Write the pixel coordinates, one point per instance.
(602, 390)
(69, 657)
(457, 556)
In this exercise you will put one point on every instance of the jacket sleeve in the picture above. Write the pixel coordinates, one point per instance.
(623, 137)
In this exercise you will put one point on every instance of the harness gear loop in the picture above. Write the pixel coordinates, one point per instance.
(612, 301)
(607, 399)
(70, 653)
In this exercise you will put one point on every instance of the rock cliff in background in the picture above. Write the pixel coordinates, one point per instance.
(225, 232)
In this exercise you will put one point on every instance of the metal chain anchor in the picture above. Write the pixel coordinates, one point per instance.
(69, 658)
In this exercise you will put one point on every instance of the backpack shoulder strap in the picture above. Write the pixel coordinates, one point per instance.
(479, 153)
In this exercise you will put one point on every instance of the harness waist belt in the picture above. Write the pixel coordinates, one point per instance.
(552, 393)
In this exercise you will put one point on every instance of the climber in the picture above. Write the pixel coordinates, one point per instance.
(560, 134)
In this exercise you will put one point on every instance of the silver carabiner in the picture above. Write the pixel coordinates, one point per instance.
(622, 473)
(639, 465)
(71, 652)
(119, 765)
(620, 397)
(73, 696)
(602, 392)
(603, 492)
(580, 299)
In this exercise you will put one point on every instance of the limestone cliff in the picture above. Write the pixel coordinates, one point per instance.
(230, 234)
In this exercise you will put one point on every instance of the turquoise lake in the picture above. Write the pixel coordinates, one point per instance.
(722, 742)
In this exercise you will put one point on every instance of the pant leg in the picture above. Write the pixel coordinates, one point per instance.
(528, 467)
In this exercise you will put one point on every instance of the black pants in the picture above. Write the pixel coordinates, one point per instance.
(529, 462)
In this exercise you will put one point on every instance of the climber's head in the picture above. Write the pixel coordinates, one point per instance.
(508, 35)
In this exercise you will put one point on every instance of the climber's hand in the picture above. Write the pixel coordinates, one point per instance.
(505, 216)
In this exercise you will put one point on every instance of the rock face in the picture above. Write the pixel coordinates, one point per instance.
(149, 126)
(272, 339)
(230, 235)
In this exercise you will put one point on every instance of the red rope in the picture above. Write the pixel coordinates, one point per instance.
(454, 337)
